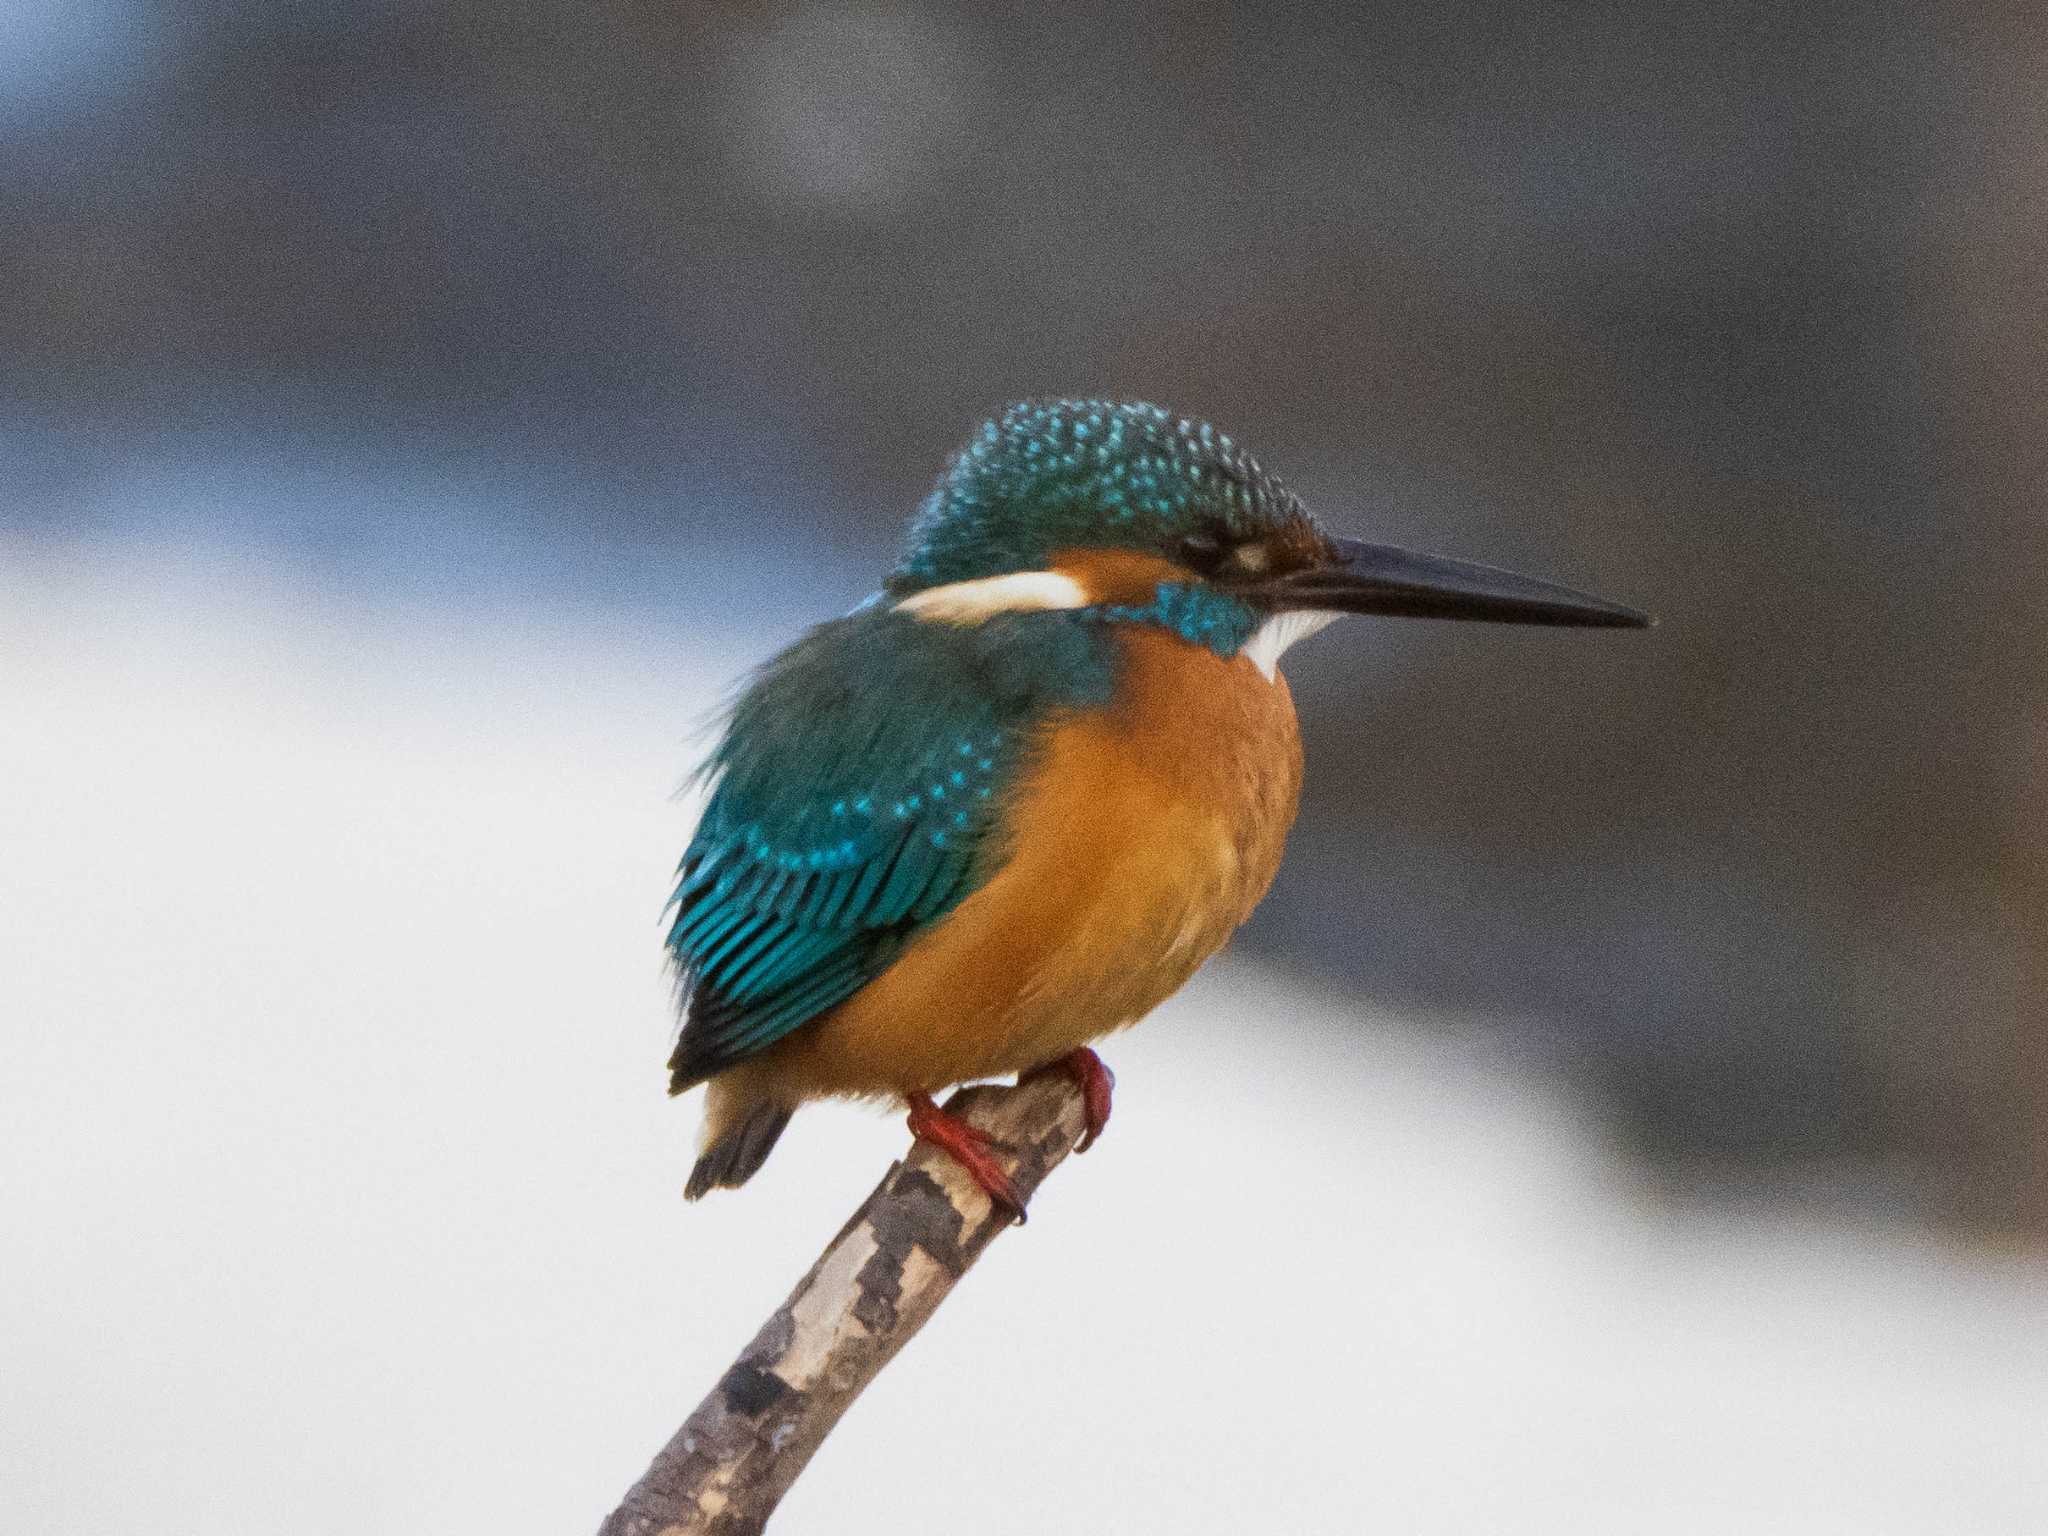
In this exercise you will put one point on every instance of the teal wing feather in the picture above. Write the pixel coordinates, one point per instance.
(855, 791)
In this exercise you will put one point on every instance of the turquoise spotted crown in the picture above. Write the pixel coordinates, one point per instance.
(1047, 475)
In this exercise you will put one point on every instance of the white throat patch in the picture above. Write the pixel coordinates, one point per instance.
(970, 602)
(1282, 630)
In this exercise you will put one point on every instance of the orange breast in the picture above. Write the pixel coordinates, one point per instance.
(1145, 835)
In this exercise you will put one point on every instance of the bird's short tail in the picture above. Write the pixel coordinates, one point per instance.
(737, 1142)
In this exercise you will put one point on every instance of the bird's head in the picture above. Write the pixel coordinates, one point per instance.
(1093, 503)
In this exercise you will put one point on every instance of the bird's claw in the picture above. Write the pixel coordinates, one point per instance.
(1096, 1083)
(969, 1148)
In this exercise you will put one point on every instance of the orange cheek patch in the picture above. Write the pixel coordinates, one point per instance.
(1118, 575)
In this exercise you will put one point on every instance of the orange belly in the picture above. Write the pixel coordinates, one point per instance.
(1144, 836)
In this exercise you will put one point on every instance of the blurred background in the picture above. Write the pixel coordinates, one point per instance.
(412, 416)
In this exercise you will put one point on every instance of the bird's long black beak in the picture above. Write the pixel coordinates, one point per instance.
(1379, 578)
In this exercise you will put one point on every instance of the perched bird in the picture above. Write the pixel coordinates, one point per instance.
(1011, 802)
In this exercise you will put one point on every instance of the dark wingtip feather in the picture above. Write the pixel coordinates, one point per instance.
(687, 1068)
(702, 1050)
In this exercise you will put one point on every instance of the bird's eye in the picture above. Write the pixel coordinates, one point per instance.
(1204, 552)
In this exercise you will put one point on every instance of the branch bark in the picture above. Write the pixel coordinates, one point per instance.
(875, 1285)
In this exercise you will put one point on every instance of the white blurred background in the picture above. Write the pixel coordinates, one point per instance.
(341, 1194)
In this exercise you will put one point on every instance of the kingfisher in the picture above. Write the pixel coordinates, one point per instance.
(1010, 803)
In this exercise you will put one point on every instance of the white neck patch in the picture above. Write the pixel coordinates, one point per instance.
(1282, 630)
(970, 602)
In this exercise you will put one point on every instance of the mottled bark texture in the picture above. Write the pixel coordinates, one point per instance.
(873, 1287)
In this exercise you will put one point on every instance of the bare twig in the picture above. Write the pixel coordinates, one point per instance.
(873, 1287)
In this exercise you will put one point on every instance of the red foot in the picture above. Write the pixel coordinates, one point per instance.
(967, 1147)
(1095, 1082)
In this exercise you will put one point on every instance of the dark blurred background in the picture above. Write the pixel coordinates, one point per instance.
(1732, 312)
